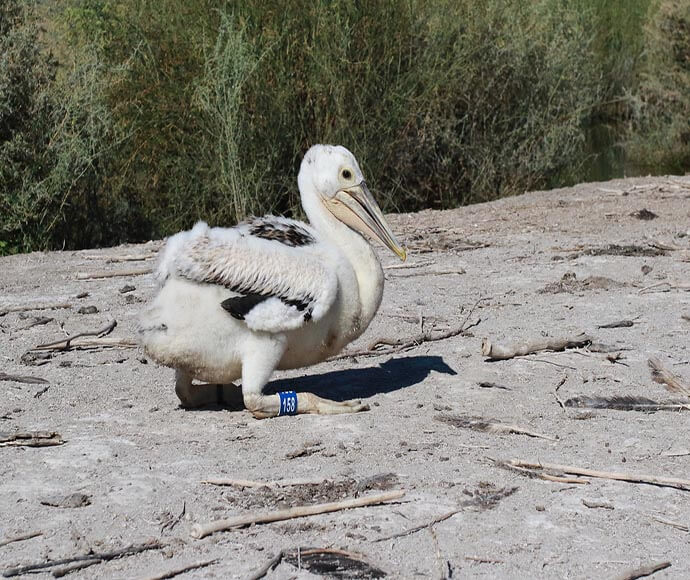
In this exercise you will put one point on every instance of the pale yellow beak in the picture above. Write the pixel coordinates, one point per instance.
(356, 207)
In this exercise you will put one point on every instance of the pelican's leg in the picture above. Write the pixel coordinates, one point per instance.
(258, 366)
(192, 396)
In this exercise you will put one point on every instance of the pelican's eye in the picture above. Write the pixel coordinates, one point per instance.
(346, 174)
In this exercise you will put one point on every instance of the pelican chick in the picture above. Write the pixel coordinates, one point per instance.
(271, 293)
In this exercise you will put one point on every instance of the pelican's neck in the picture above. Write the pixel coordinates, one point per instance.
(358, 252)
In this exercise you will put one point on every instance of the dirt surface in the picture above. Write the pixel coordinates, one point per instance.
(542, 265)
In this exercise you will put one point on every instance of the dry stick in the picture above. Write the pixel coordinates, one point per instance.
(112, 274)
(182, 570)
(643, 571)
(65, 343)
(503, 352)
(398, 344)
(681, 527)
(23, 379)
(19, 538)
(30, 439)
(661, 481)
(242, 483)
(665, 377)
(407, 265)
(667, 285)
(416, 529)
(435, 273)
(555, 392)
(64, 570)
(54, 306)
(267, 567)
(201, 531)
(94, 343)
(128, 551)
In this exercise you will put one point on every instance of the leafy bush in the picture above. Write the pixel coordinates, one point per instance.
(659, 133)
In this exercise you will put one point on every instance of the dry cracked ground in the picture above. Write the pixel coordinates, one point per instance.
(100, 466)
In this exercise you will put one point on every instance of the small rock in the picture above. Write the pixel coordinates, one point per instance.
(646, 269)
(127, 288)
(88, 310)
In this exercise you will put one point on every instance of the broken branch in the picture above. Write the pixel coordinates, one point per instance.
(128, 551)
(65, 343)
(112, 274)
(504, 352)
(182, 570)
(30, 439)
(28, 308)
(660, 481)
(23, 379)
(201, 531)
(243, 483)
(397, 344)
(19, 538)
(643, 571)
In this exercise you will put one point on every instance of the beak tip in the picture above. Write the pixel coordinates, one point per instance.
(402, 253)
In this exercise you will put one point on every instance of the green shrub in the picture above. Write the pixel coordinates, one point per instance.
(659, 132)
(164, 112)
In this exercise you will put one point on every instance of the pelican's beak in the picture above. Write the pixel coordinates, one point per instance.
(356, 207)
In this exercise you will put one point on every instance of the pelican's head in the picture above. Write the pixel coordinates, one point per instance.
(332, 173)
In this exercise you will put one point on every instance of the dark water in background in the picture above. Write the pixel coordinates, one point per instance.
(606, 158)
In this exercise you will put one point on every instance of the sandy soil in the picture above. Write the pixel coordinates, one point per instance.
(545, 264)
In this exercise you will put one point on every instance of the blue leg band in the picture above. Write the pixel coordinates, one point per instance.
(288, 403)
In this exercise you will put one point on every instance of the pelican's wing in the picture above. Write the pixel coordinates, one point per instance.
(281, 280)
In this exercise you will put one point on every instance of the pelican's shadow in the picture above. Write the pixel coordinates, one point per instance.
(392, 375)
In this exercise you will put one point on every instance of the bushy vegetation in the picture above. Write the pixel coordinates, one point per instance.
(127, 120)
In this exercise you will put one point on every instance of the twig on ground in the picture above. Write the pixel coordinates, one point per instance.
(663, 287)
(550, 362)
(433, 273)
(267, 567)
(38, 321)
(243, 483)
(112, 274)
(74, 567)
(65, 343)
(397, 344)
(439, 559)
(555, 392)
(643, 571)
(90, 344)
(128, 551)
(19, 538)
(660, 481)
(408, 265)
(489, 426)
(182, 570)
(483, 560)
(23, 379)
(482, 500)
(503, 352)
(678, 526)
(618, 324)
(30, 439)
(665, 377)
(30, 307)
(201, 531)
(416, 529)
